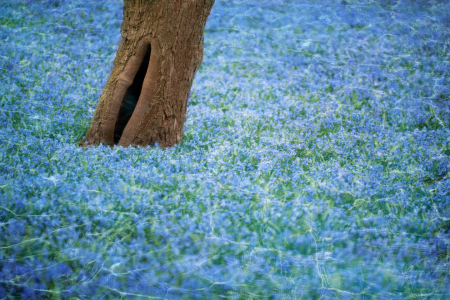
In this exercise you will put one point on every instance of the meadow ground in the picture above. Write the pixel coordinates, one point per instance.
(315, 161)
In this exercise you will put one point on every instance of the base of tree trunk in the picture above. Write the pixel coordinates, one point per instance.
(145, 98)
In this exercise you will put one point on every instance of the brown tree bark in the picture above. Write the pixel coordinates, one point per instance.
(145, 98)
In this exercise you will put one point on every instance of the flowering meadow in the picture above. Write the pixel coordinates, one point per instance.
(315, 161)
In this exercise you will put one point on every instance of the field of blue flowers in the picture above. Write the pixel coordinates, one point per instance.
(315, 162)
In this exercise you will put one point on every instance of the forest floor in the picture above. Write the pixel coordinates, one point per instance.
(315, 161)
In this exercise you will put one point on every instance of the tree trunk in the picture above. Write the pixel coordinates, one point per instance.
(145, 98)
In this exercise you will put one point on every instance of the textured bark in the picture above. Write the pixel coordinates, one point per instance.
(159, 53)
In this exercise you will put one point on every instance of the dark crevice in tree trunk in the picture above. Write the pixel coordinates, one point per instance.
(131, 98)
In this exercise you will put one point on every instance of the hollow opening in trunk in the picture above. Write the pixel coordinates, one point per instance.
(131, 98)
